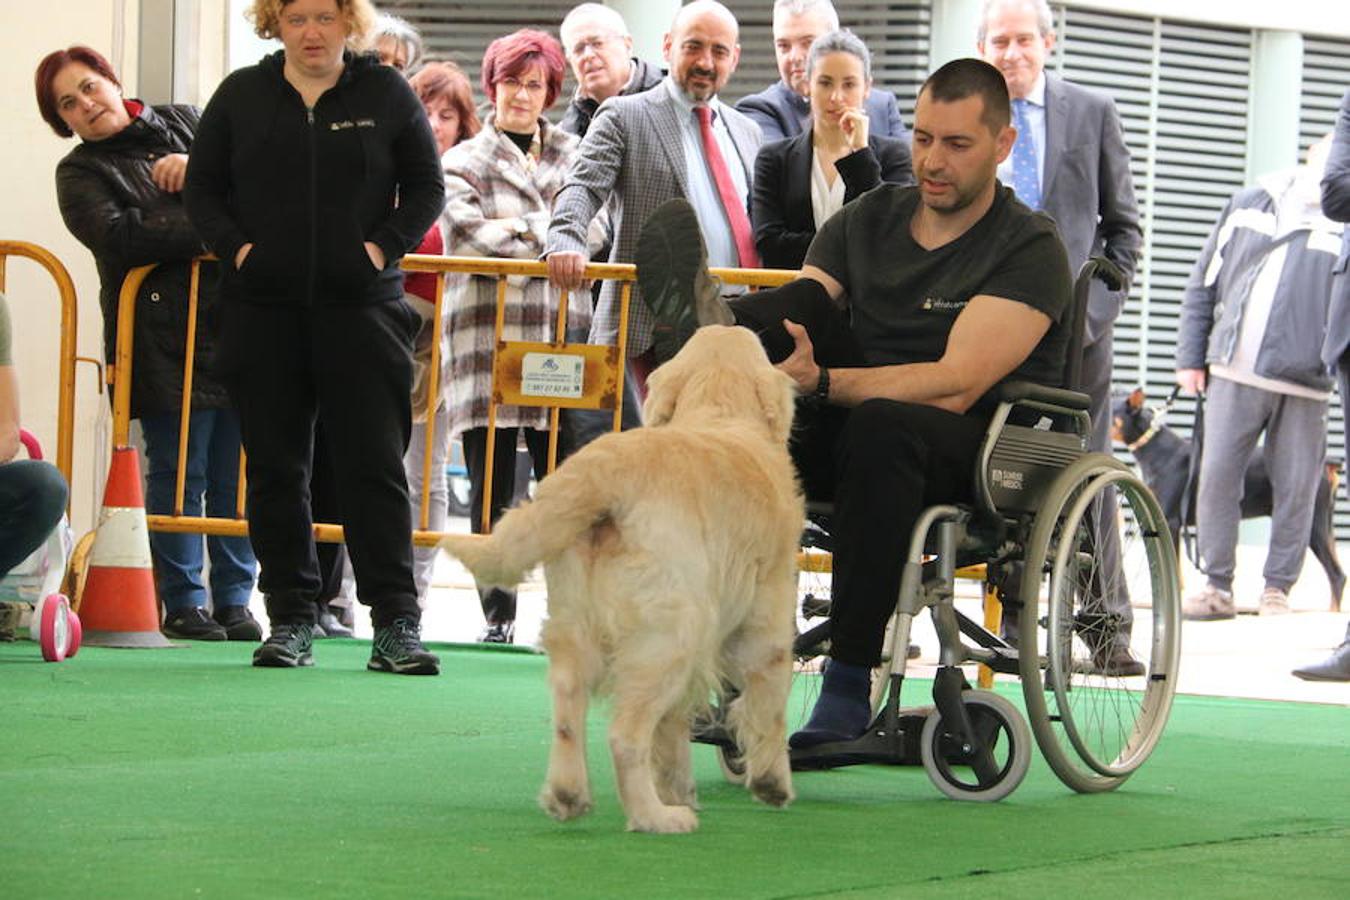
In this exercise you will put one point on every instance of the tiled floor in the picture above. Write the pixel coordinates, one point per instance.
(1250, 656)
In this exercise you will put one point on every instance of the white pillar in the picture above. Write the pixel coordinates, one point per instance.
(1276, 86)
(648, 21)
(952, 34)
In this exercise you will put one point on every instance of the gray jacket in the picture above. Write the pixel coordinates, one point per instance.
(1223, 277)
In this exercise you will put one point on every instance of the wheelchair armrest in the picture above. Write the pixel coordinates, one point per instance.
(1021, 391)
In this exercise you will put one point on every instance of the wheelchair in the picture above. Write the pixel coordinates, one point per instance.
(1032, 529)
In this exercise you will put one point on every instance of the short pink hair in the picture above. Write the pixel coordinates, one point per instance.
(509, 56)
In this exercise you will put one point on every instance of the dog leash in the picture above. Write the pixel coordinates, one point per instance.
(1190, 535)
(1159, 415)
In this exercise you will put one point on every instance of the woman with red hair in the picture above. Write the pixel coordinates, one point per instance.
(499, 197)
(120, 193)
(447, 96)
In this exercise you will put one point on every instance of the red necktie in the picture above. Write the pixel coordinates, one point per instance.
(726, 189)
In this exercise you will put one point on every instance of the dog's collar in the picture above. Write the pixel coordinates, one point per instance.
(1156, 425)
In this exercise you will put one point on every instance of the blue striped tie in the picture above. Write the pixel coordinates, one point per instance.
(1026, 175)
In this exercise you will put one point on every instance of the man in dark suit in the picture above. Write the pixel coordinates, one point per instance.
(1336, 348)
(1070, 160)
(644, 149)
(782, 109)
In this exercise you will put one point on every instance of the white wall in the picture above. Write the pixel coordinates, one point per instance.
(27, 186)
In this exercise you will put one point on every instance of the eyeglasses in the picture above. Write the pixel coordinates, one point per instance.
(515, 85)
(597, 43)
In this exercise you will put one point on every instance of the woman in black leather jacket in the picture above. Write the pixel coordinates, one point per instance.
(120, 195)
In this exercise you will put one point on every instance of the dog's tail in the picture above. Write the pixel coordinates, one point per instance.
(534, 532)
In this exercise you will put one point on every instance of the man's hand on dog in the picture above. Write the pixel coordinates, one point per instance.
(801, 365)
(1192, 381)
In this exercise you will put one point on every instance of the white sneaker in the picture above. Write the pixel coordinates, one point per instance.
(1210, 605)
(1274, 602)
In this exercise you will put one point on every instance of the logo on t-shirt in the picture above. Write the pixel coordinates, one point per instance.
(941, 304)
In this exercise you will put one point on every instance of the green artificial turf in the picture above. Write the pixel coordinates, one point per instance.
(186, 773)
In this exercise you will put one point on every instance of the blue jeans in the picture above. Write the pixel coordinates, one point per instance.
(212, 470)
(32, 499)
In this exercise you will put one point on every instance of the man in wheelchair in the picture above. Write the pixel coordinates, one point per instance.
(913, 305)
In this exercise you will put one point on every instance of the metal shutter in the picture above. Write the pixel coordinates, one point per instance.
(1182, 92)
(1326, 77)
(461, 31)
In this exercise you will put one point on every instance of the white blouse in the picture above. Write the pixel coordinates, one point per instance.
(826, 199)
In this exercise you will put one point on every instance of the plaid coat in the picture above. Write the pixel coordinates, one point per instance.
(498, 203)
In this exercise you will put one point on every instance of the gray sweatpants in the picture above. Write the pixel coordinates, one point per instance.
(1236, 415)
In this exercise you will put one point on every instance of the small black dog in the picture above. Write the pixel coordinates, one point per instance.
(1165, 460)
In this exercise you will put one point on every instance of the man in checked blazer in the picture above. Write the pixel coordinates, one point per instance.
(1084, 184)
(644, 149)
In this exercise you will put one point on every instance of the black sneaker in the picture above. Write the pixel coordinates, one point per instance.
(329, 623)
(672, 273)
(498, 633)
(397, 648)
(238, 623)
(192, 624)
(287, 647)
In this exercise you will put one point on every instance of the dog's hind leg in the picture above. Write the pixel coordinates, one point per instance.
(757, 717)
(1322, 538)
(650, 681)
(671, 761)
(566, 793)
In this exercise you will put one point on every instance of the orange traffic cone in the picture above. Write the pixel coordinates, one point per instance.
(118, 606)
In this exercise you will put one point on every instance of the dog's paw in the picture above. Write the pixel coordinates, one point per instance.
(665, 820)
(564, 804)
(678, 794)
(772, 790)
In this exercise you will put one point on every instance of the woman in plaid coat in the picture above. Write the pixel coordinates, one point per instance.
(500, 187)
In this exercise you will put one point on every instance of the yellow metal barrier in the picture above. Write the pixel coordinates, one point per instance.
(602, 385)
(65, 415)
(602, 393)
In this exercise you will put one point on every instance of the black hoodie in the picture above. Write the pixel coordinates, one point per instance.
(308, 187)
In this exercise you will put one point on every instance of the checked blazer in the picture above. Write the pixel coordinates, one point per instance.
(630, 162)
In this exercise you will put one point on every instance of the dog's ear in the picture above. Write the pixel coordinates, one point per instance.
(663, 390)
(777, 397)
(1136, 399)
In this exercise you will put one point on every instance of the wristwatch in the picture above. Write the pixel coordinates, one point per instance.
(822, 391)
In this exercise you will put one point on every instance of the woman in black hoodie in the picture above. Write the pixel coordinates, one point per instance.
(120, 195)
(313, 172)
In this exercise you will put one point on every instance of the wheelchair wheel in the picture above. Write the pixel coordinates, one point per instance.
(1005, 732)
(1096, 722)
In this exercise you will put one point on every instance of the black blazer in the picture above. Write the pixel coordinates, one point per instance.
(781, 200)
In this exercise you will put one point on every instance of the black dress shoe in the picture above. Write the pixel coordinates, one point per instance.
(192, 624)
(1335, 667)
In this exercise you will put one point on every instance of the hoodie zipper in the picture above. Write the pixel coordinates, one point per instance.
(313, 210)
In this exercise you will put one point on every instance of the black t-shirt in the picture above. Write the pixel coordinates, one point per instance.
(903, 299)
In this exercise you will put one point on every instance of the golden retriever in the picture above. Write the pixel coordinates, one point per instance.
(670, 557)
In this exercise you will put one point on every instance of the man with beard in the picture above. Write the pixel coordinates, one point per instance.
(913, 305)
(675, 140)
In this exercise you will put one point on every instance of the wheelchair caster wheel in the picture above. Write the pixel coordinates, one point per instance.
(56, 629)
(956, 772)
